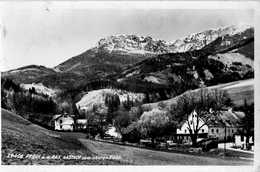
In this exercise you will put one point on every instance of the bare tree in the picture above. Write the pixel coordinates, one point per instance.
(206, 103)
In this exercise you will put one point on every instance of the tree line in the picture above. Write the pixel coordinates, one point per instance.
(20, 100)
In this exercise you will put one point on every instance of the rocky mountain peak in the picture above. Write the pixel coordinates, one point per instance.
(146, 44)
(133, 44)
(197, 41)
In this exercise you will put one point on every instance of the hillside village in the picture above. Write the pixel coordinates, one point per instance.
(194, 96)
(225, 126)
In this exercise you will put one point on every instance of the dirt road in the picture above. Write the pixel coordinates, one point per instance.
(140, 156)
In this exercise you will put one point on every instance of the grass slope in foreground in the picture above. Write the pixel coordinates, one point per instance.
(20, 136)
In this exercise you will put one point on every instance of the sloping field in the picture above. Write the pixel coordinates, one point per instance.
(238, 91)
(241, 90)
(97, 97)
(21, 137)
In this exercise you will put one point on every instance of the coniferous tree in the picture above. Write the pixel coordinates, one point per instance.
(112, 101)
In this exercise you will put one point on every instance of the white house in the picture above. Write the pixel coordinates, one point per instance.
(63, 122)
(193, 122)
(81, 124)
(222, 125)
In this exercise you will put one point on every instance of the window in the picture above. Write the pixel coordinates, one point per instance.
(217, 130)
(242, 138)
(212, 130)
(61, 121)
(191, 122)
(232, 131)
(185, 131)
(202, 130)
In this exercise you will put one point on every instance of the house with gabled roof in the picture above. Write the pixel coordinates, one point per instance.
(222, 125)
(63, 122)
(193, 121)
(225, 125)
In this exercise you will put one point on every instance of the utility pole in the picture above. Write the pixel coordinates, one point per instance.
(225, 140)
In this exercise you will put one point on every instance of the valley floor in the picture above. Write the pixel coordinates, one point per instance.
(20, 136)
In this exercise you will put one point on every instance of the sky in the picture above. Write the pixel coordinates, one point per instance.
(46, 36)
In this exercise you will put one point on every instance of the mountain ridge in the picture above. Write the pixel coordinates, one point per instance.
(146, 44)
(98, 63)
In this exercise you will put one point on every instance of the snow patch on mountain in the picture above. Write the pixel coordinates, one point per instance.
(132, 44)
(145, 45)
(152, 79)
(56, 69)
(120, 79)
(197, 41)
(24, 70)
(229, 58)
(40, 88)
(73, 66)
(133, 73)
(236, 29)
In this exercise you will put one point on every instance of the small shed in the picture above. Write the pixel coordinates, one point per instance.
(81, 124)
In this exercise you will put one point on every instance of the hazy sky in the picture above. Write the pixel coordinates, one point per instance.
(48, 37)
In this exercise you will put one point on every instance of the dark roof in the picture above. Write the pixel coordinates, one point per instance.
(55, 117)
(222, 118)
(225, 118)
